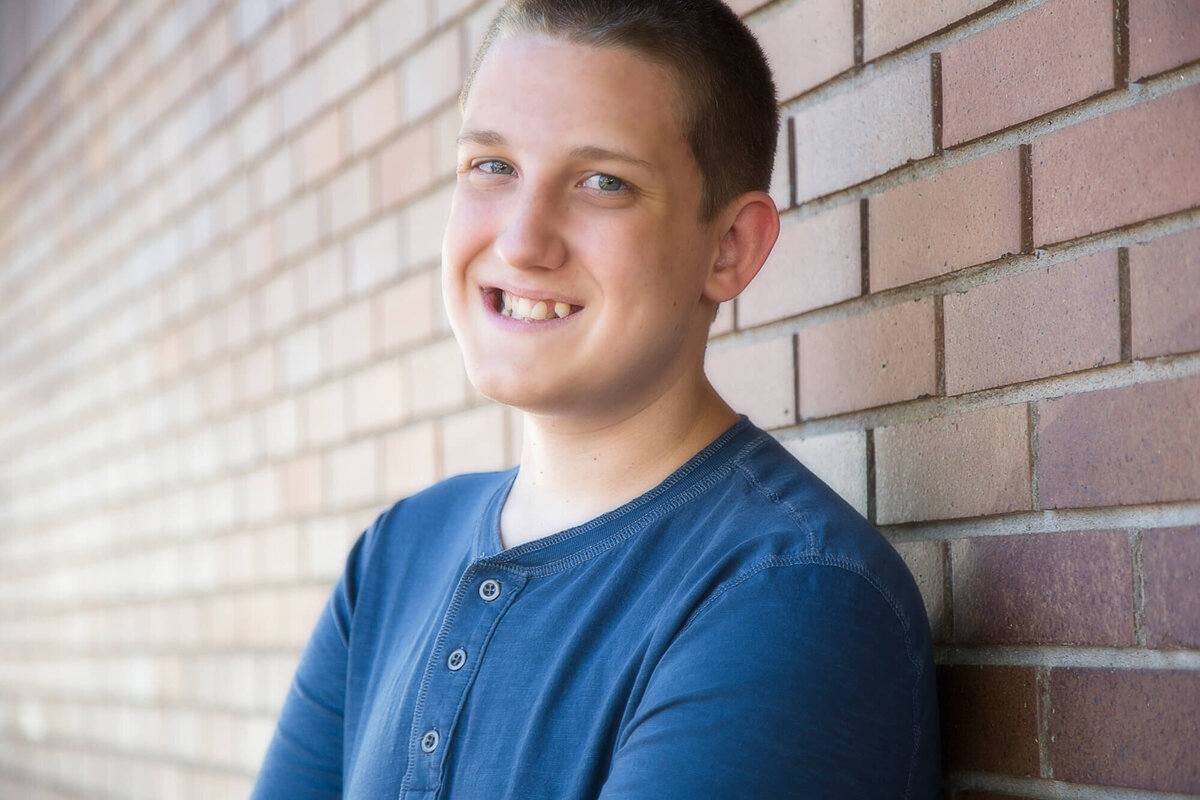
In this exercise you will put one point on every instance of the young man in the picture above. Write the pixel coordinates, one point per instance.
(660, 602)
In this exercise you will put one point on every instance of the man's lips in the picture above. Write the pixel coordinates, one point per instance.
(529, 309)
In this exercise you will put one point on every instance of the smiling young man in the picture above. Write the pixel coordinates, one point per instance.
(660, 601)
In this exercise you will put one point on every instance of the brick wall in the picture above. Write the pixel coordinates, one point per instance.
(222, 353)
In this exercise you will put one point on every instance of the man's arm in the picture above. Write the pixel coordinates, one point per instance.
(800, 681)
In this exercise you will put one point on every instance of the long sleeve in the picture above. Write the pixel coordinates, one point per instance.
(800, 681)
(304, 759)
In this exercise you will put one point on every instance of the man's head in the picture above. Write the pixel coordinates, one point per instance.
(726, 98)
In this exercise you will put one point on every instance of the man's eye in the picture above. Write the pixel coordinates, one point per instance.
(605, 183)
(495, 167)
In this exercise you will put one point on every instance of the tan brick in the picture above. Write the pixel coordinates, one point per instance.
(410, 458)
(395, 26)
(1050, 588)
(966, 215)
(353, 474)
(374, 113)
(275, 54)
(323, 284)
(301, 356)
(422, 225)
(927, 563)
(757, 380)
(723, 322)
(1056, 320)
(989, 719)
(437, 378)
(1130, 728)
(280, 425)
(781, 175)
(432, 75)
(375, 255)
(816, 262)
(325, 413)
(1163, 34)
(806, 43)
(1135, 444)
(838, 459)
(377, 396)
(255, 374)
(1163, 276)
(475, 441)
(889, 24)
(1126, 166)
(302, 485)
(864, 132)
(348, 335)
(347, 198)
(319, 150)
(404, 312)
(406, 166)
(1171, 559)
(261, 492)
(1042, 59)
(872, 359)
(277, 301)
(274, 178)
(298, 99)
(968, 465)
(343, 65)
(316, 22)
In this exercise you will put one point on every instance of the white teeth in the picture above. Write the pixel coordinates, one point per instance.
(532, 310)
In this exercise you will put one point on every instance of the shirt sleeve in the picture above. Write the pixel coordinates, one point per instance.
(304, 758)
(798, 681)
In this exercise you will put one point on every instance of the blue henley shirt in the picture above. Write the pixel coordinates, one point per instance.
(737, 632)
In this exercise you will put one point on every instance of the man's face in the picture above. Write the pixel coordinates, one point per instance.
(574, 261)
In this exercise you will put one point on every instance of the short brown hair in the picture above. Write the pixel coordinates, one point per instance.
(728, 109)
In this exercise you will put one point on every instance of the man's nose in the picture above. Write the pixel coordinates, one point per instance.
(532, 237)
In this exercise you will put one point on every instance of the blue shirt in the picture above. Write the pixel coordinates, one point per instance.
(737, 632)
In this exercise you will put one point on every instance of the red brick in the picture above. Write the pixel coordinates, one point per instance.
(962, 466)
(806, 43)
(1171, 572)
(1163, 34)
(963, 216)
(1060, 319)
(815, 263)
(1063, 588)
(989, 719)
(873, 359)
(757, 380)
(864, 132)
(1045, 58)
(888, 24)
(1139, 729)
(1126, 166)
(1136, 444)
(1163, 276)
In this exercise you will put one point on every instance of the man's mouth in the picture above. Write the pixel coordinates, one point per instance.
(529, 310)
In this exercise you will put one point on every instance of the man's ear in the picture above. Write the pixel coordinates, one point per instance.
(751, 226)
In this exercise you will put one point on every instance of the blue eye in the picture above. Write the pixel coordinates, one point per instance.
(605, 183)
(495, 167)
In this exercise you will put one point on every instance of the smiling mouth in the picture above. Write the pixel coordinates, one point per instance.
(529, 310)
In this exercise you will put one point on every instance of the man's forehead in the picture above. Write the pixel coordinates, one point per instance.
(585, 152)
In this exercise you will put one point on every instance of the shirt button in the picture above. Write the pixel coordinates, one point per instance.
(489, 590)
(456, 660)
(429, 741)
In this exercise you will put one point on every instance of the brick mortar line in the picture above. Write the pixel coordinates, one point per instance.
(1034, 420)
(47, 780)
(969, 277)
(1099, 105)
(156, 704)
(1045, 709)
(1041, 789)
(1139, 588)
(1124, 304)
(1147, 516)
(1067, 657)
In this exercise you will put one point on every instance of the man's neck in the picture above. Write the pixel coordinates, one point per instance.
(571, 474)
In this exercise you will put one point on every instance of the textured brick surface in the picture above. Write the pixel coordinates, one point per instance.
(757, 380)
(864, 132)
(989, 719)
(1163, 276)
(838, 459)
(1119, 728)
(927, 563)
(963, 216)
(1171, 575)
(888, 24)
(1045, 58)
(1129, 165)
(1162, 35)
(806, 43)
(815, 263)
(1061, 588)
(1054, 321)
(869, 360)
(1120, 446)
(960, 466)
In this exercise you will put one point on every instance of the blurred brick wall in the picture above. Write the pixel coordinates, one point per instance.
(222, 354)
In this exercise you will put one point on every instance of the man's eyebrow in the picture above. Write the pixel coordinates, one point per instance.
(489, 138)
